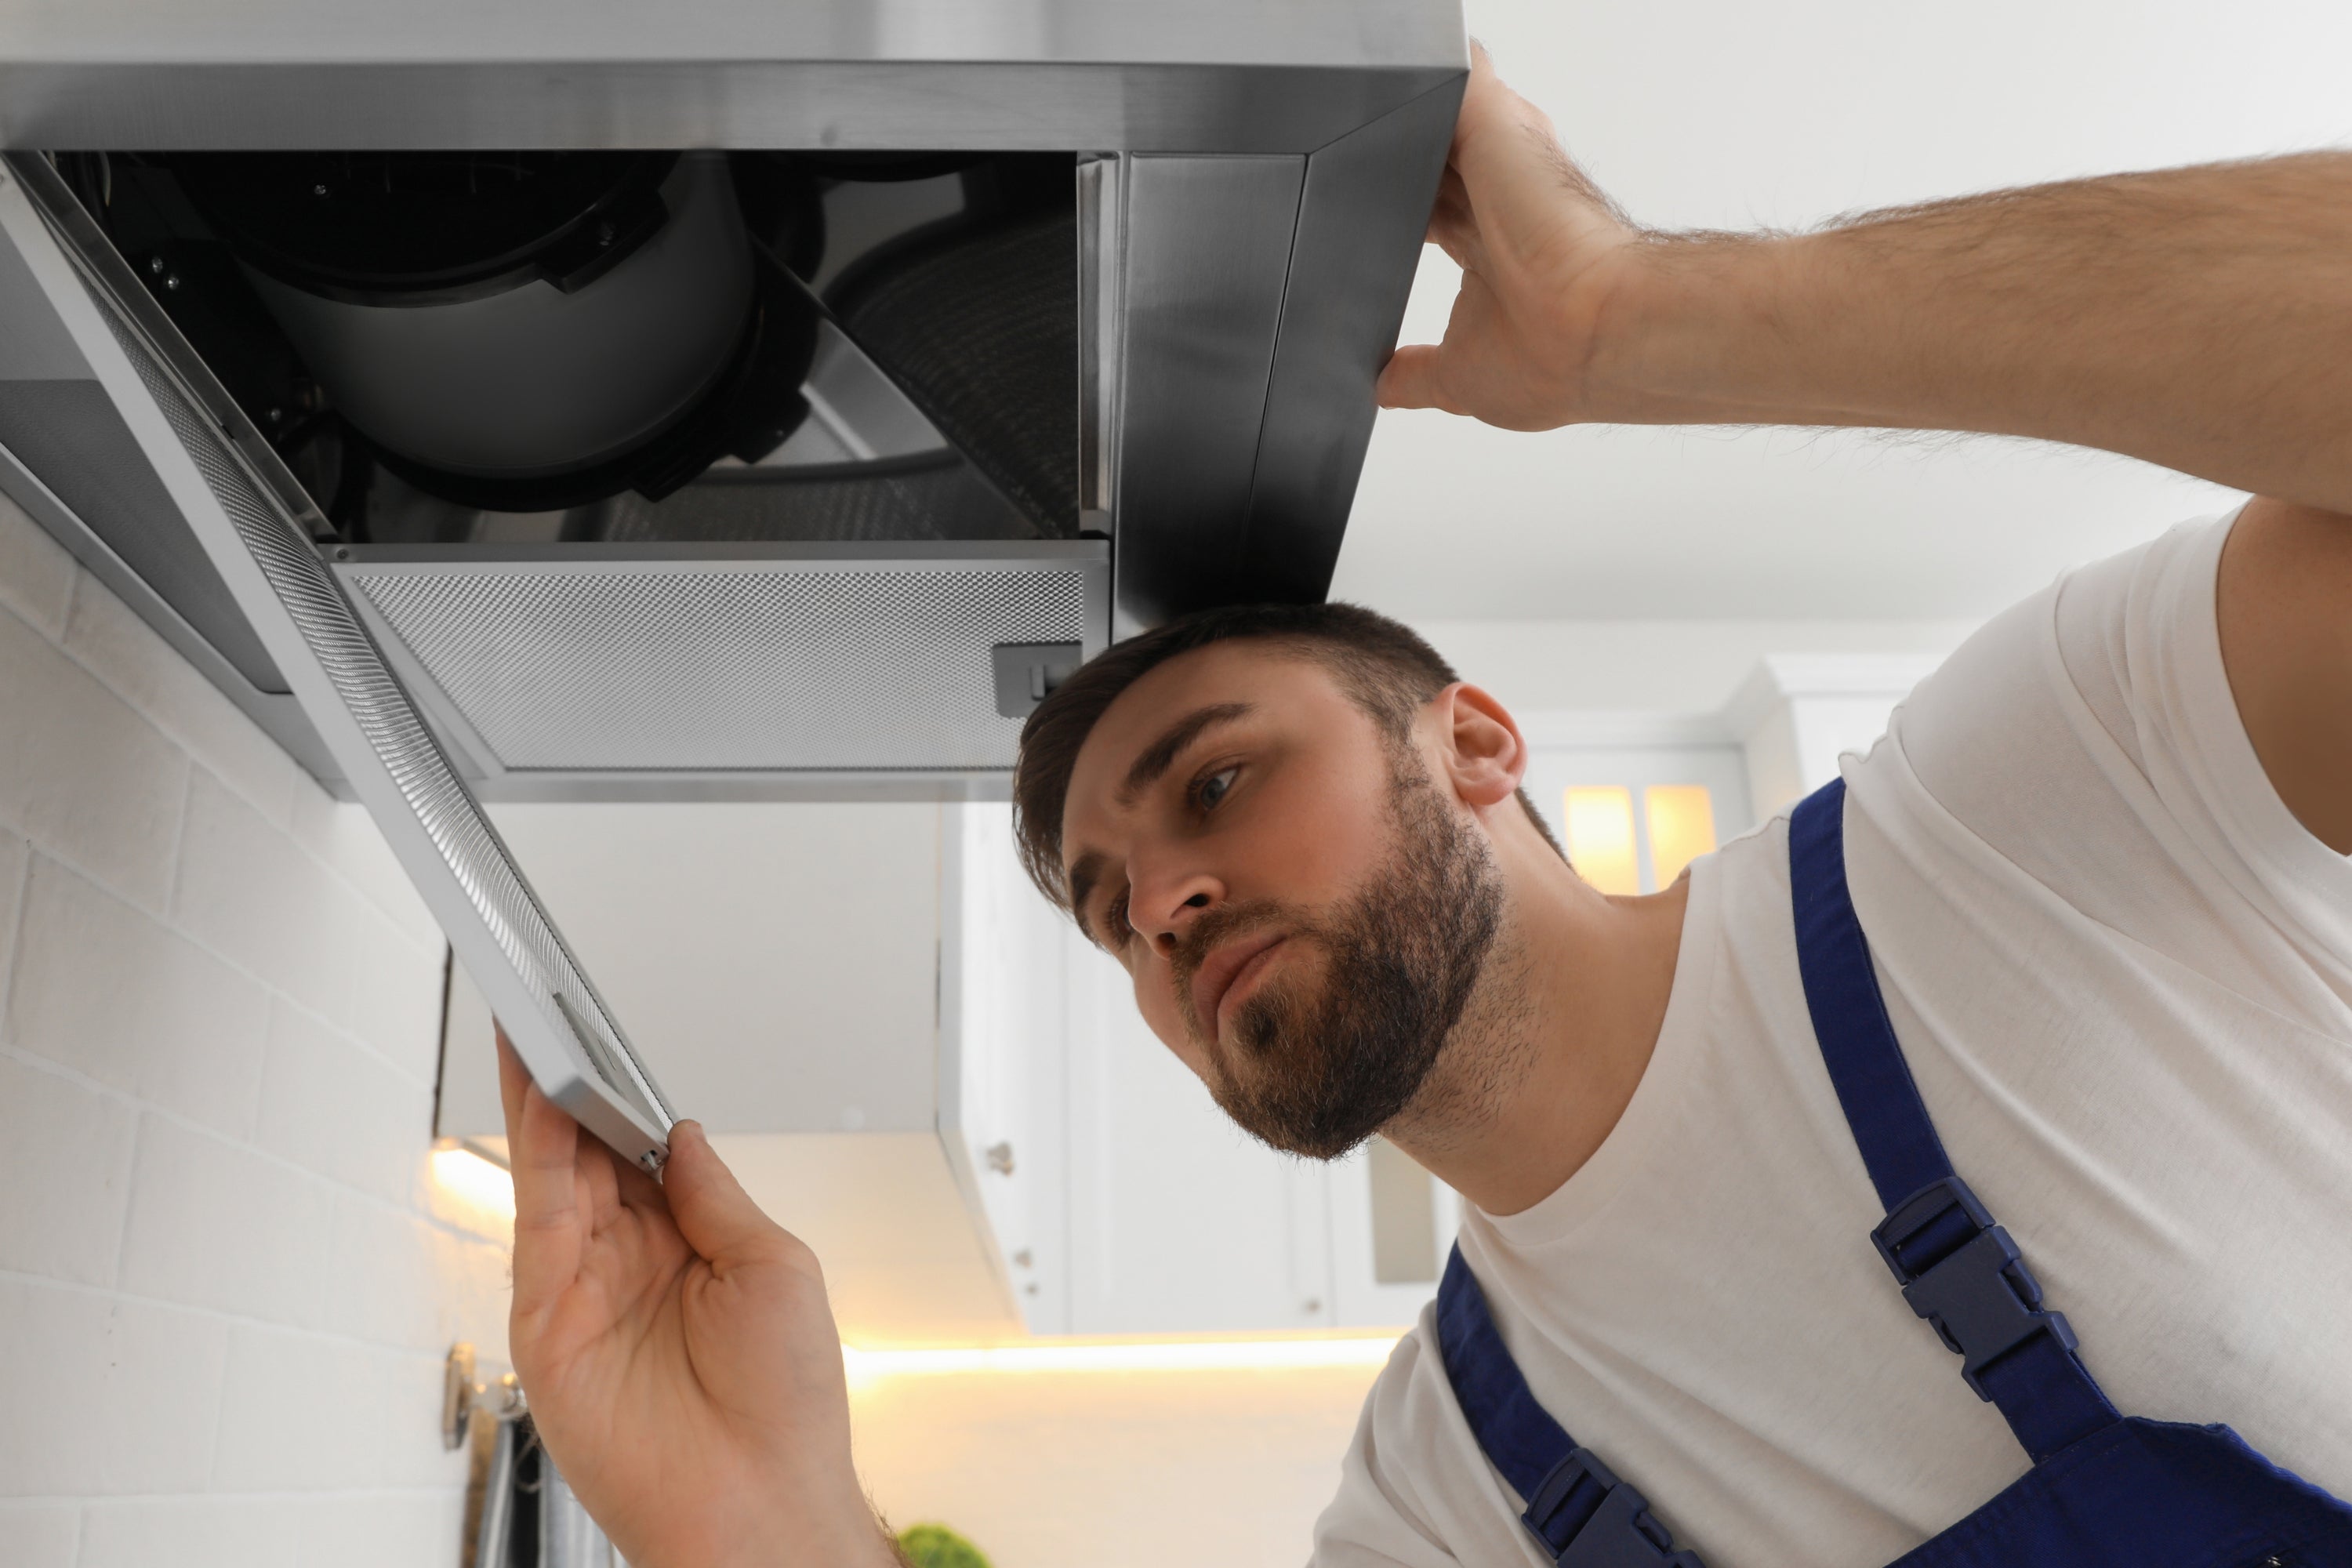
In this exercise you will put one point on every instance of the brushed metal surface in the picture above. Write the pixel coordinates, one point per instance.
(1360, 35)
(34, 346)
(278, 713)
(1360, 221)
(1101, 245)
(1110, 75)
(1207, 257)
(84, 464)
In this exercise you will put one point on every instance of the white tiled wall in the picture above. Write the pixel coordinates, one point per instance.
(226, 1278)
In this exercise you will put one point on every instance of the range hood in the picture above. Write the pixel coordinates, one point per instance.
(718, 401)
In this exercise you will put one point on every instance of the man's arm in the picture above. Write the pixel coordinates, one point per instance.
(2197, 318)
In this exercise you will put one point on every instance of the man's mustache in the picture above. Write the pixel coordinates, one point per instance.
(1213, 931)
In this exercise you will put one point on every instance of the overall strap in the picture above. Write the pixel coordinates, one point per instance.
(1583, 1515)
(1959, 1269)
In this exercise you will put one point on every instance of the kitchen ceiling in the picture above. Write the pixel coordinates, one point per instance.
(1721, 113)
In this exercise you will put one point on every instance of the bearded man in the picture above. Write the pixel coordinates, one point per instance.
(2095, 958)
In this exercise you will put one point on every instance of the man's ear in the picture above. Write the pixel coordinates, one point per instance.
(1482, 751)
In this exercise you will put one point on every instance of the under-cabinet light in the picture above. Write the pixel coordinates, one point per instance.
(476, 1178)
(1125, 1356)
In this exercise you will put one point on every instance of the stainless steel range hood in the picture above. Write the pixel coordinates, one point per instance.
(1233, 237)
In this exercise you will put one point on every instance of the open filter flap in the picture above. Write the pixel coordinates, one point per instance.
(256, 525)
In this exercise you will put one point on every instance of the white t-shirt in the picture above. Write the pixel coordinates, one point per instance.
(2122, 974)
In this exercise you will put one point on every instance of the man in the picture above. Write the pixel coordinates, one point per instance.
(2101, 860)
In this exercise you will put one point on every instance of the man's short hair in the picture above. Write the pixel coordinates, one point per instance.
(1384, 666)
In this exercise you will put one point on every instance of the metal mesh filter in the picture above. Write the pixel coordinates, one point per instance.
(472, 858)
(783, 665)
(933, 496)
(983, 330)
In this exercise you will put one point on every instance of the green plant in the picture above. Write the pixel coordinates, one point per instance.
(937, 1546)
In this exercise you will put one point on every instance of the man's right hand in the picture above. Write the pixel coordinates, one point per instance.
(678, 1353)
(1543, 254)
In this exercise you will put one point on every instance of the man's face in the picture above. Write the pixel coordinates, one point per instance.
(1304, 911)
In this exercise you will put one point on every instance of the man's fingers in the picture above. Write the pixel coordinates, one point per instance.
(1487, 105)
(713, 1212)
(599, 1183)
(514, 1082)
(1508, 156)
(1453, 223)
(634, 1188)
(1411, 379)
(543, 1153)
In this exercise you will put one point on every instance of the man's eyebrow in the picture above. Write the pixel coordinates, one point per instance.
(1156, 756)
(1087, 869)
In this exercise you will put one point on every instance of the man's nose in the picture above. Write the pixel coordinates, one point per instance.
(1163, 907)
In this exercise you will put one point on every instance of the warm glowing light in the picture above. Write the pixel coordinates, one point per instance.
(478, 1182)
(1600, 837)
(1126, 1355)
(1682, 828)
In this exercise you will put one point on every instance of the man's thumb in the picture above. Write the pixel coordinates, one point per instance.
(1409, 379)
(713, 1212)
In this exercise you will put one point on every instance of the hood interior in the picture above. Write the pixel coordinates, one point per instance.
(864, 348)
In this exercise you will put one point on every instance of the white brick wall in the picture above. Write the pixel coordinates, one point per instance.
(227, 1277)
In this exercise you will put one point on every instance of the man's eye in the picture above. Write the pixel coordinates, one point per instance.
(1115, 927)
(1214, 788)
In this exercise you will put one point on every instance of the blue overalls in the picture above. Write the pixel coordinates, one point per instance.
(2105, 1490)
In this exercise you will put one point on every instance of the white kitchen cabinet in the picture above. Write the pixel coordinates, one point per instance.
(783, 969)
(1393, 1225)
(777, 964)
(1005, 1025)
(1179, 1221)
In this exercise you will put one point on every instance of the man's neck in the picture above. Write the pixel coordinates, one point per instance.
(1553, 1043)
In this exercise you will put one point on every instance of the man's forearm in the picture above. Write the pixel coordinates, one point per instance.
(2197, 318)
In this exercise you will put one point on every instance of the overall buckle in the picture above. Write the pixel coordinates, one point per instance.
(1961, 1272)
(1617, 1530)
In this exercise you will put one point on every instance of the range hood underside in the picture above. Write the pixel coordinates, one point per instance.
(1240, 291)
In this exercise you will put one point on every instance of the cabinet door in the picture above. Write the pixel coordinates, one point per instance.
(1005, 1027)
(784, 957)
(1393, 1224)
(1179, 1222)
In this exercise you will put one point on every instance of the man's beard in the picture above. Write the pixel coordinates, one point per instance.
(1323, 1072)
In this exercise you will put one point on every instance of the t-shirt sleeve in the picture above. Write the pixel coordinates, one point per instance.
(1413, 1480)
(2089, 734)
(2143, 648)
(1369, 1523)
